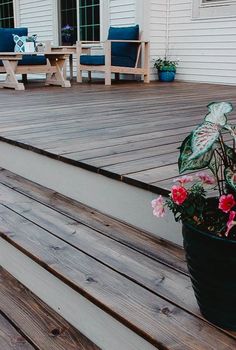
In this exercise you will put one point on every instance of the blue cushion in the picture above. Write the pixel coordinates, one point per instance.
(99, 60)
(92, 60)
(124, 49)
(6, 39)
(31, 60)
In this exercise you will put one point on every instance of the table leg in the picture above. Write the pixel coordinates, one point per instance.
(71, 66)
(11, 80)
(57, 77)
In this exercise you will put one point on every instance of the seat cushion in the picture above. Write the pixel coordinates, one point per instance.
(31, 60)
(92, 60)
(124, 49)
(6, 38)
(99, 60)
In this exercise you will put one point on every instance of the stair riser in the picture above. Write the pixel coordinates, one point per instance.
(104, 330)
(112, 197)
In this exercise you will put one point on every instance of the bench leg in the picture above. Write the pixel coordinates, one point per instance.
(11, 80)
(57, 78)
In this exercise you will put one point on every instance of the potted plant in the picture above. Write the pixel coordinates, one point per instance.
(67, 35)
(209, 223)
(166, 69)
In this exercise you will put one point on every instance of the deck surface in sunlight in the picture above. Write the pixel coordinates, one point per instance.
(129, 131)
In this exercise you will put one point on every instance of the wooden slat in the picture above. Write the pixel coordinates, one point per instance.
(170, 254)
(10, 339)
(45, 329)
(133, 288)
(90, 124)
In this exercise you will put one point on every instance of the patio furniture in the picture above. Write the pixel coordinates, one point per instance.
(72, 50)
(124, 53)
(53, 68)
(13, 63)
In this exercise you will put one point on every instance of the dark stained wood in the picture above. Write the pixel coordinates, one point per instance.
(128, 132)
(45, 329)
(137, 289)
(10, 339)
(158, 249)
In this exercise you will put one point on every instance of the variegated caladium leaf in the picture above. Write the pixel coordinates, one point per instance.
(203, 138)
(230, 178)
(217, 112)
(214, 166)
(232, 130)
(186, 163)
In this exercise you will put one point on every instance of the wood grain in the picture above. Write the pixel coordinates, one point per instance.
(129, 132)
(41, 325)
(141, 291)
(10, 338)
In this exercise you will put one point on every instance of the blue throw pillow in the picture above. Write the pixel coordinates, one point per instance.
(20, 42)
(6, 39)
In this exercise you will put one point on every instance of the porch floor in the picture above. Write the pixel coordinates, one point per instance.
(141, 282)
(129, 131)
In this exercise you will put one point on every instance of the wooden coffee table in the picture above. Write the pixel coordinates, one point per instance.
(53, 69)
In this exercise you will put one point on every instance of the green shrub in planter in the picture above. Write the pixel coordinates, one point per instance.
(166, 69)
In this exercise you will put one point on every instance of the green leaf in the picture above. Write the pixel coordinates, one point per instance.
(217, 112)
(186, 163)
(203, 139)
(230, 178)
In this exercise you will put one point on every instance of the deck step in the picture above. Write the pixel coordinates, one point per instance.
(115, 284)
(26, 323)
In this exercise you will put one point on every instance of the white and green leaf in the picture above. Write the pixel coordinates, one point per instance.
(203, 138)
(217, 112)
(186, 163)
(230, 178)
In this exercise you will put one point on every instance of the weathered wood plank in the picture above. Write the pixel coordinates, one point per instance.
(10, 339)
(84, 121)
(158, 321)
(41, 325)
(170, 254)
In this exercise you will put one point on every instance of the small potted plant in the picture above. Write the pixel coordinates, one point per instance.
(166, 69)
(209, 223)
(67, 34)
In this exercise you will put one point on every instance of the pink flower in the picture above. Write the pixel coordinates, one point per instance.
(205, 178)
(178, 194)
(226, 202)
(158, 207)
(184, 179)
(230, 222)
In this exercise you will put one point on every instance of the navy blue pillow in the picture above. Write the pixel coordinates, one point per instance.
(124, 49)
(6, 39)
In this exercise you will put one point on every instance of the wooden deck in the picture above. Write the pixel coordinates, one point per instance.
(129, 131)
(26, 323)
(139, 281)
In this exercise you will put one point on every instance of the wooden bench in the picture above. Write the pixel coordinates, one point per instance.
(139, 283)
(53, 69)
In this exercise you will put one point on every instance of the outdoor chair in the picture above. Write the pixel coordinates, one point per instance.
(124, 53)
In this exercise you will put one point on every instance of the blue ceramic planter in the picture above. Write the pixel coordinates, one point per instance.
(212, 266)
(166, 76)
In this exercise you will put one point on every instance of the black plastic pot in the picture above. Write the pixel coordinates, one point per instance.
(212, 266)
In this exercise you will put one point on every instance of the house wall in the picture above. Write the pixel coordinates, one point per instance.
(122, 12)
(206, 48)
(38, 16)
(157, 31)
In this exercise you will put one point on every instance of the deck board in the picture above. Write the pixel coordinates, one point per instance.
(36, 322)
(114, 130)
(135, 281)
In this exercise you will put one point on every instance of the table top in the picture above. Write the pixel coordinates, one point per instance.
(36, 53)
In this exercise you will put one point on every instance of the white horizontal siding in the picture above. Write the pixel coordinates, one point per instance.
(38, 17)
(157, 31)
(122, 12)
(206, 49)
